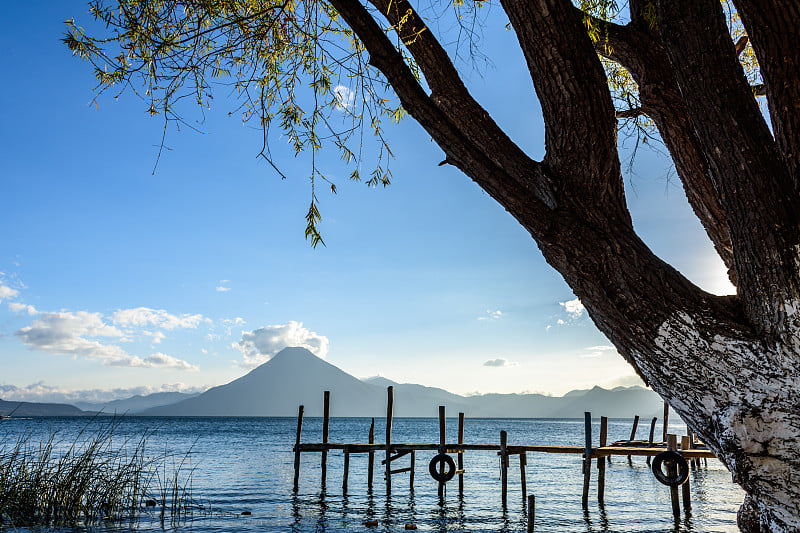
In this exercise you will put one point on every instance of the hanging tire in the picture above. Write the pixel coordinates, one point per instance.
(679, 461)
(449, 471)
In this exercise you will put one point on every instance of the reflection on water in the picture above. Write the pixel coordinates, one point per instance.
(246, 464)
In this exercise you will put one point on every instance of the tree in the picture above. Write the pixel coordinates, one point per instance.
(727, 364)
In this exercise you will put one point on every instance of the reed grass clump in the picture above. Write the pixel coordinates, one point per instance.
(44, 481)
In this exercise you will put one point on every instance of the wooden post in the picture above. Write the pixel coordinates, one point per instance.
(666, 421)
(601, 465)
(346, 472)
(389, 414)
(652, 435)
(672, 444)
(442, 442)
(695, 463)
(633, 435)
(411, 472)
(504, 466)
(297, 448)
(523, 460)
(587, 458)
(371, 461)
(326, 413)
(461, 454)
(531, 512)
(686, 444)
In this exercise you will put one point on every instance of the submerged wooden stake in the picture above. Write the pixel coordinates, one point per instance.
(461, 454)
(411, 472)
(666, 421)
(523, 461)
(371, 461)
(652, 435)
(687, 498)
(297, 448)
(504, 466)
(531, 512)
(442, 442)
(672, 444)
(326, 414)
(389, 414)
(587, 458)
(633, 435)
(601, 465)
(346, 472)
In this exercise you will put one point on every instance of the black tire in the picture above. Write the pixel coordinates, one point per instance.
(449, 472)
(673, 457)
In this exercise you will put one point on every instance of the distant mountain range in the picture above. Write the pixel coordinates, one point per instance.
(135, 404)
(19, 409)
(296, 377)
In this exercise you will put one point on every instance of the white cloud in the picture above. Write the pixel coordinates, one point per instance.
(230, 323)
(596, 351)
(344, 97)
(66, 334)
(157, 336)
(491, 315)
(223, 289)
(40, 392)
(156, 360)
(76, 333)
(259, 345)
(574, 308)
(18, 307)
(6, 292)
(499, 362)
(144, 316)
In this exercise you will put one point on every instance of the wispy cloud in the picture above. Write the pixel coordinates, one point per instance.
(156, 360)
(20, 307)
(41, 392)
(574, 310)
(6, 292)
(499, 363)
(259, 345)
(145, 316)
(491, 315)
(230, 323)
(157, 336)
(344, 97)
(596, 351)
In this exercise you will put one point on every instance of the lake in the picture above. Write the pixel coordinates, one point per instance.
(246, 464)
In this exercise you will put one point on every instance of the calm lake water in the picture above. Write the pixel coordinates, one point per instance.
(246, 464)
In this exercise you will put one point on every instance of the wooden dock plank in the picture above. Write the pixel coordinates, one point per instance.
(511, 449)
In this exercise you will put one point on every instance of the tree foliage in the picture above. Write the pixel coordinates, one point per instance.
(294, 66)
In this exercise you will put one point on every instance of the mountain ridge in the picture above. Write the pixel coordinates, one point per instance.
(295, 377)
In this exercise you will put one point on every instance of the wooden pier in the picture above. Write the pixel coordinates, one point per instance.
(393, 451)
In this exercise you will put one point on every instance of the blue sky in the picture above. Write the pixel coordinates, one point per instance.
(118, 280)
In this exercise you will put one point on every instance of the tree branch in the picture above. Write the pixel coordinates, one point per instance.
(774, 30)
(518, 197)
(753, 183)
(451, 96)
(638, 51)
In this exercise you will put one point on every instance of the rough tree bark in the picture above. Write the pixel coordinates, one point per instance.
(727, 365)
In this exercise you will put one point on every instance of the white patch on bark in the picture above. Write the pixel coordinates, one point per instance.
(745, 394)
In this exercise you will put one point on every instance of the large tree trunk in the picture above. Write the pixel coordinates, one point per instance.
(727, 365)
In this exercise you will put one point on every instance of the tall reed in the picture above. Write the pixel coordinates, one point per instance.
(91, 479)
